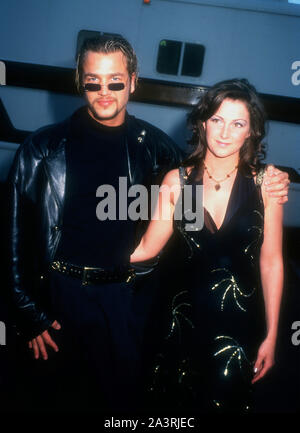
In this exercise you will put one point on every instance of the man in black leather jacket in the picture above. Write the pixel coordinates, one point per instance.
(69, 271)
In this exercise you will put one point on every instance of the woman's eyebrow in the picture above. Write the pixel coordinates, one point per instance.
(233, 120)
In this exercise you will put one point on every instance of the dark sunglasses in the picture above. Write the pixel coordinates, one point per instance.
(93, 87)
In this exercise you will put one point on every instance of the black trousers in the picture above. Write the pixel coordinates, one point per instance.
(98, 365)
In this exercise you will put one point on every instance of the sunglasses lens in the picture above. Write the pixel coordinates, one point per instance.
(116, 86)
(91, 87)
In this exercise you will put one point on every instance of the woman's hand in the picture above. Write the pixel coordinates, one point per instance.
(264, 360)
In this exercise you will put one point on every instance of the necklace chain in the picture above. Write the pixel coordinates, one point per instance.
(217, 182)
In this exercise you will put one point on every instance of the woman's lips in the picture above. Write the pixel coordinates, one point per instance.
(222, 143)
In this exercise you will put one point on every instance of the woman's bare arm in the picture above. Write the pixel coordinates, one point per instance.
(271, 269)
(160, 227)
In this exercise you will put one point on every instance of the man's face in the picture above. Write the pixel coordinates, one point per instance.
(107, 106)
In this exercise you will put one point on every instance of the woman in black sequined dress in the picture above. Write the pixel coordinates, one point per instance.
(232, 269)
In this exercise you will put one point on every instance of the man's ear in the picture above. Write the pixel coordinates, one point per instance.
(132, 83)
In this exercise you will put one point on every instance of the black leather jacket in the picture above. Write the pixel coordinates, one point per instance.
(36, 199)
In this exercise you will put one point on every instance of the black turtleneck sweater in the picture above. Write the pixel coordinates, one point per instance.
(95, 156)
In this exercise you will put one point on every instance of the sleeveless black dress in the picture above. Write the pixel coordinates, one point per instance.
(216, 315)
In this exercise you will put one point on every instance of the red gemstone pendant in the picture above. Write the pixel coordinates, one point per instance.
(217, 187)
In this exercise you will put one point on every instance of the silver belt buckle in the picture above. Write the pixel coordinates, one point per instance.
(84, 281)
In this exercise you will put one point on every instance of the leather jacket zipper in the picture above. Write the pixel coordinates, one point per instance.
(58, 231)
(128, 163)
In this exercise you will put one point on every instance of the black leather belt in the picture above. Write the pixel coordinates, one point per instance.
(90, 275)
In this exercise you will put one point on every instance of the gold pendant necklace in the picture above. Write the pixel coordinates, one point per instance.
(217, 182)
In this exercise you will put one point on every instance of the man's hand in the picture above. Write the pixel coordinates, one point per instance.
(38, 344)
(276, 183)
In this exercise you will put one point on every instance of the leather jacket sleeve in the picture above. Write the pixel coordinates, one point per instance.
(30, 319)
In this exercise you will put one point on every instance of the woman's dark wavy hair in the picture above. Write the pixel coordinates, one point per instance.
(253, 150)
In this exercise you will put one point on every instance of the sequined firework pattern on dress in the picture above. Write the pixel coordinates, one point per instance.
(229, 286)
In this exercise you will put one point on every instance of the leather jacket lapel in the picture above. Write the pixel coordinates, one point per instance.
(137, 153)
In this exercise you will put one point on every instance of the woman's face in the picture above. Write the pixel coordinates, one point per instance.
(227, 129)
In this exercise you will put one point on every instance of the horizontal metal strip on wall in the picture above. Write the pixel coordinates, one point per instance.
(152, 91)
(57, 79)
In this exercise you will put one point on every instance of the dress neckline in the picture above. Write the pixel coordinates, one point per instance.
(228, 213)
(242, 188)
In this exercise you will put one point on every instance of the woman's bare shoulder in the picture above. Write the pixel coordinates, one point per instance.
(173, 176)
